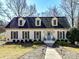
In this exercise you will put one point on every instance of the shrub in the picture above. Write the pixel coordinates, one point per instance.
(73, 35)
(62, 42)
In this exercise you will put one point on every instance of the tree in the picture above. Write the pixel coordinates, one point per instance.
(51, 12)
(77, 22)
(70, 7)
(17, 8)
(73, 35)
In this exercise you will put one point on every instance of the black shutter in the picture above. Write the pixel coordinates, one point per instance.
(11, 35)
(28, 34)
(63, 35)
(58, 35)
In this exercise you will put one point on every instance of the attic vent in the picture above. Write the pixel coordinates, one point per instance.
(54, 22)
(38, 22)
(21, 22)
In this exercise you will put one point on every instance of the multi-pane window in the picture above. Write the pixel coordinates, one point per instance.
(20, 22)
(54, 22)
(38, 22)
(64, 35)
(14, 34)
(58, 35)
(25, 34)
(61, 35)
(37, 35)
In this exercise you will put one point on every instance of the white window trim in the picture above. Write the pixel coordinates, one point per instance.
(37, 36)
(23, 22)
(62, 35)
(26, 35)
(38, 19)
(53, 22)
(12, 34)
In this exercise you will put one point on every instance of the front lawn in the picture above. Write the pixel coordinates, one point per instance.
(67, 46)
(14, 51)
(72, 49)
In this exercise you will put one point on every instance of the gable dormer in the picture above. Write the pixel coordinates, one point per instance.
(21, 21)
(54, 21)
(37, 22)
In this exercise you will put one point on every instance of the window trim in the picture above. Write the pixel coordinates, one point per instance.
(54, 19)
(14, 34)
(61, 34)
(36, 22)
(22, 22)
(37, 35)
(25, 35)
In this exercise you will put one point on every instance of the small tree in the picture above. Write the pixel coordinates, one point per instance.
(73, 35)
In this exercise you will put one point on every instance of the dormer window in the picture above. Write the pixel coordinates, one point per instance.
(54, 22)
(38, 22)
(21, 22)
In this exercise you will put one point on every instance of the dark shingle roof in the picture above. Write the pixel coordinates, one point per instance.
(45, 23)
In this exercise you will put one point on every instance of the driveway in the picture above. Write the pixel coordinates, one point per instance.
(51, 53)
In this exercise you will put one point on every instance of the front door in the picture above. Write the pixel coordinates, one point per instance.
(48, 35)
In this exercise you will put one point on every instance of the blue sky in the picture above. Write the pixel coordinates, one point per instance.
(43, 5)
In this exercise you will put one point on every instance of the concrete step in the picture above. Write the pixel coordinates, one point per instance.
(49, 42)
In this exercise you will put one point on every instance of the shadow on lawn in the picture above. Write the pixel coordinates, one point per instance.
(25, 44)
(66, 44)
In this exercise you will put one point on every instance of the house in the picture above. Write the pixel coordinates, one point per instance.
(36, 28)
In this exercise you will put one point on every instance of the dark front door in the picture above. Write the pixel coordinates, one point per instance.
(48, 36)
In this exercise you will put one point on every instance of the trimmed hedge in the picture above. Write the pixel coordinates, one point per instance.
(62, 43)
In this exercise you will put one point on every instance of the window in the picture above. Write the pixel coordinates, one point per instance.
(37, 35)
(21, 22)
(61, 35)
(54, 22)
(58, 35)
(25, 34)
(38, 22)
(14, 35)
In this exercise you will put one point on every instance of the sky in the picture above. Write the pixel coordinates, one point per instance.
(43, 5)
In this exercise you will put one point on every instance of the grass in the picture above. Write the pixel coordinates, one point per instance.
(72, 49)
(2, 37)
(14, 51)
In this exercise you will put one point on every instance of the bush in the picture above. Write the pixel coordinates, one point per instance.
(62, 42)
(37, 42)
(73, 35)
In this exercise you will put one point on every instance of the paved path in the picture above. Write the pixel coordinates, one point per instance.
(51, 53)
(36, 54)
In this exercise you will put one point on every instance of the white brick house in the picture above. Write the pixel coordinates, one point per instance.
(36, 28)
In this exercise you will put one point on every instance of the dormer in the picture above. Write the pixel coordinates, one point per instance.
(21, 21)
(54, 21)
(37, 22)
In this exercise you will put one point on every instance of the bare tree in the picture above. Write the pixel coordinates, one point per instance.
(51, 12)
(77, 22)
(18, 8)
(70, 7)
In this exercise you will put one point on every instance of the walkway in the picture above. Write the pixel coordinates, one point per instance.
(36, 54)
(51, 53)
